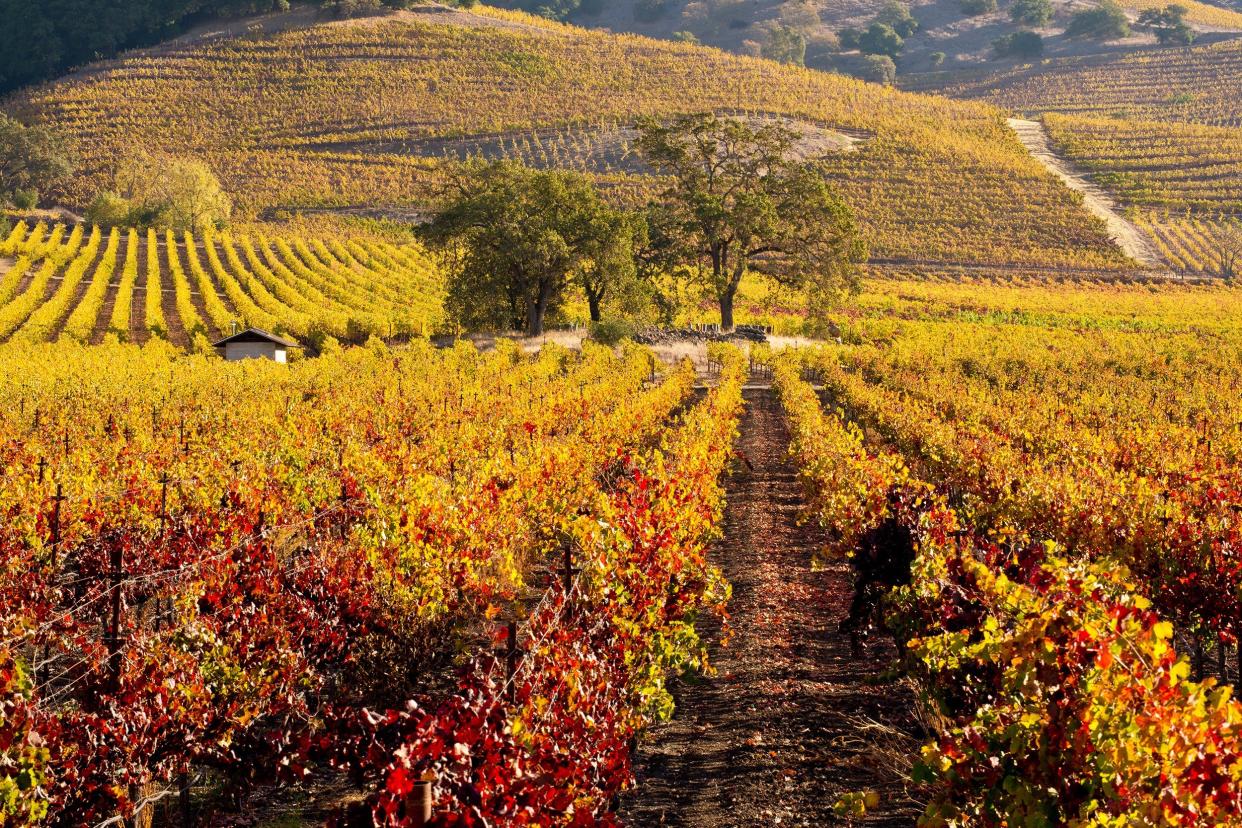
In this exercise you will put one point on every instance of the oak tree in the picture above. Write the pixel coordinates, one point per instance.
(740, 199)
(515, 239)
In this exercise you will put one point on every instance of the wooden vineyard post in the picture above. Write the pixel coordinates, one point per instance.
(113, 642)
(420, 803)
(568, 571)
(57, 499)
(511, 657)
(183, 799)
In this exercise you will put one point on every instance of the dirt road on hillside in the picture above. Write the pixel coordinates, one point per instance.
(1132, 241)
(792, 721)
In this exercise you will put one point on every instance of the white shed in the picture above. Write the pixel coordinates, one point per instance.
(253, 343)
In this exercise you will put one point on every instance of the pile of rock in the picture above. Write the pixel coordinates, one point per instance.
(702, 333)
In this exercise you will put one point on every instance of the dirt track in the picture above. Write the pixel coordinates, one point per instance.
(792, 721)
(1132, 241)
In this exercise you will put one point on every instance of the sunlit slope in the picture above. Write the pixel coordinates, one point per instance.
(366, 112)
(1199, 85)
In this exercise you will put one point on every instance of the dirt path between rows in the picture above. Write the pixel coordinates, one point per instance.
(1132, 241)
(791, 721)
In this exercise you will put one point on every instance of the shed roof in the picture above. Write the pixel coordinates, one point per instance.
(256, 335)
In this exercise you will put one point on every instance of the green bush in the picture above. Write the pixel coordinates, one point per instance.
(1019, 45)
(611, 332)
(1107, 22)
(25, 199)
(897, 15)
(110, 210)
(1031, 12)
(882, 39)
(649, 11)
(974, 8)
(880, 69)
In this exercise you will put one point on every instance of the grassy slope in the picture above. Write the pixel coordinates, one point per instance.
(287, 119)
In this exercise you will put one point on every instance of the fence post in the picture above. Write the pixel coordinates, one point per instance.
(57, 499)
(183, 799)
(511, 654)
(420, 804)
(568, 571)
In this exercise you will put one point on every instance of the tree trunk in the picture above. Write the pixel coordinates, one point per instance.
(729, 293)
(726, 309)
(537, 309)
(594, 300)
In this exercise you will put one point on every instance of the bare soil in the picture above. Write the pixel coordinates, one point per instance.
(603, 148)
(791, 721)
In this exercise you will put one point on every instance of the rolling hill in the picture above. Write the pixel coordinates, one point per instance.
(962, 40)
(295, 112)
(1160, 130)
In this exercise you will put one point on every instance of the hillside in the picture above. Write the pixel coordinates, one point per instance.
(964, 40)
(301, 113)
(1160, 130)
(1200, 85)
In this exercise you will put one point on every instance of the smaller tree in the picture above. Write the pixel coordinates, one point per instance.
(897, 15)
(881, 39)
(784, 44)
(1227, 246)
(740, 200)
(610, 241)
(1019, 45)
(974, 8)
(1108, 21)
(168, 191)
(879, 69)
(1031, 12)
(1168, 25)
(32, 158)
(514, 239)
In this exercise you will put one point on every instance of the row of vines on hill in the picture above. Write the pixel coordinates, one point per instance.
(85, 285)
(337, 116)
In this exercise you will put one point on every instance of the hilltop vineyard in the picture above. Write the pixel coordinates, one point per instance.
(88, 285)
(368, 114)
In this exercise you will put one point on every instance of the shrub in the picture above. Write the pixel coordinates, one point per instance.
(937, 58)
(649, 11)
(880, 69)
(1019, 45)
(849, 38)
(347, 9)
(1168, 25)
(897, 15)
(1107, 22)
(974, 8)
(25, 199)
(881, 39)
(110, 210)
(785, 44)
(1031, 12)
(611, 332)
